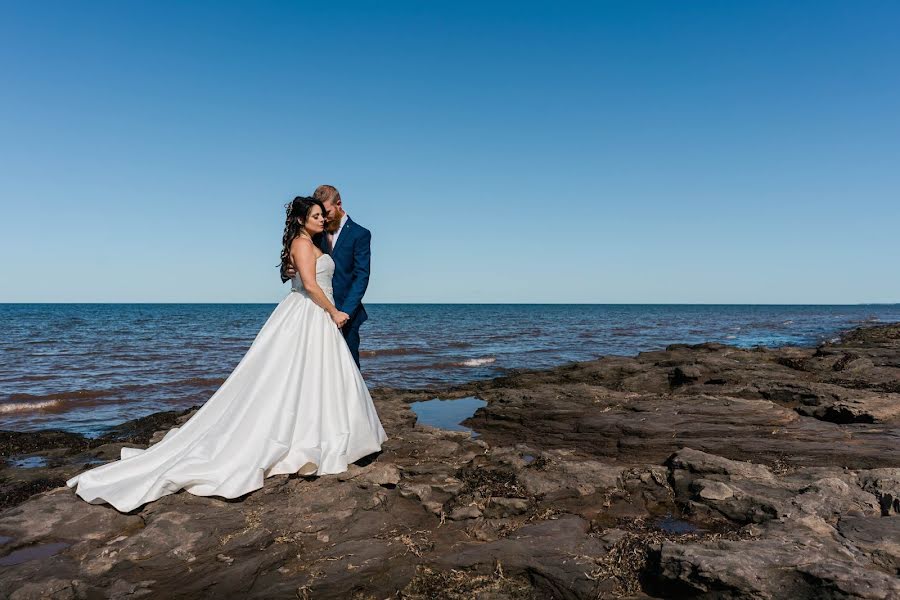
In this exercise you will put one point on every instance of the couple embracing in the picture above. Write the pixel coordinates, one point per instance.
(349, 246)
(296, 402)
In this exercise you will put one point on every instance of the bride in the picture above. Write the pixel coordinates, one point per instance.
(296, 403)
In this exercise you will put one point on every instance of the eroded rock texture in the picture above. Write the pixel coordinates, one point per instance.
(698, 471)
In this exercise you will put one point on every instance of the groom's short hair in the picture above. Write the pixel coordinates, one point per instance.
(326, 193)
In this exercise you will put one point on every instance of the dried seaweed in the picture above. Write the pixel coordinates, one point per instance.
(455, 584)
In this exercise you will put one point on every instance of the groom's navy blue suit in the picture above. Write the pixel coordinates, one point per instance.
(352, 260)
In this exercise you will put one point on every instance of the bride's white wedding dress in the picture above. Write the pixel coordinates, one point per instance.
(295, 403)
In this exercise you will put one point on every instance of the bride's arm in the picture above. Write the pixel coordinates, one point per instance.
(303, 256)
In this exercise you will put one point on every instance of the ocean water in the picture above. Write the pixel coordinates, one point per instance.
(86, 367)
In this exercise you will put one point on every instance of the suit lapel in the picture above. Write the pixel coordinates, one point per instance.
(323, 243)
(345, 231)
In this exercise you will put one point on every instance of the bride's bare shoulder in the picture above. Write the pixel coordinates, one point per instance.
(304, 246)
(302, 242)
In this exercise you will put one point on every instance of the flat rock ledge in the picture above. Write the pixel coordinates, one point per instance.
(702, 471)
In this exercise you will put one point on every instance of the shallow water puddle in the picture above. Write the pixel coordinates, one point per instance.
(28, 462)
(32, 553)
(447, 414)
(670, 524)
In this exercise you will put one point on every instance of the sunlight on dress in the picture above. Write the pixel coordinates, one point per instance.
(295, 403)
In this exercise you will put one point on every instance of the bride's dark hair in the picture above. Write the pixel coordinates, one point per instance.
(296, 212)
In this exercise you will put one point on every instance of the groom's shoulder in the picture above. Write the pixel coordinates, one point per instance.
(359, 229)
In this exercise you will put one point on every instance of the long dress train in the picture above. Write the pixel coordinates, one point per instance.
(296, 402)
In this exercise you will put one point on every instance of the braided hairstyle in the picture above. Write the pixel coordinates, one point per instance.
(296, 212)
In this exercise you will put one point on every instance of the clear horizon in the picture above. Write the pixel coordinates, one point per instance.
(474, 303)
(516, 153)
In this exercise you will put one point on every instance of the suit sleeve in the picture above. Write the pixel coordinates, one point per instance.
(359, 280)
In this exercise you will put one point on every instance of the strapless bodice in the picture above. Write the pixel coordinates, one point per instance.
(324, 273)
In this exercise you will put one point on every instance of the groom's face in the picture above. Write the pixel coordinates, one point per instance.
(335, 212)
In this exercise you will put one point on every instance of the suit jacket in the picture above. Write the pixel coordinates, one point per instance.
(352, 262)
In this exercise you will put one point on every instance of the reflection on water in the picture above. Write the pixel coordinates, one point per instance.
(32, 553)
(447, 414)
(28, 462)
(670, 524)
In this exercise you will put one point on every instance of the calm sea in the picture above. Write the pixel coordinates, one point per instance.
(85, 367)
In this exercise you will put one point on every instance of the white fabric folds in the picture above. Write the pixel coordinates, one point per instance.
(295, 403)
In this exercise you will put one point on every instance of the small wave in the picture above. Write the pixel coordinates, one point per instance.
(477, 362)
(34, 377)
(191, 382)
(78, 395)
(788, 322)
(392, 352)
(27, 406)
(626, 331)
(764, 325)
(869, 319)
(471, 362)
(502, 337)
(730, 337)
(199, 346)
(88, 398)
(459, 345)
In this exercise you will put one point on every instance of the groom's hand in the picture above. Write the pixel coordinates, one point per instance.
(290, 272)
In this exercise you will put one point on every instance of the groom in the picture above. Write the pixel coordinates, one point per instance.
(349, 244)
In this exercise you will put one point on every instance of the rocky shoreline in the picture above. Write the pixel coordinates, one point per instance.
(702, 471)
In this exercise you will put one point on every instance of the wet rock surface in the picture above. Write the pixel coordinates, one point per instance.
(701, 471)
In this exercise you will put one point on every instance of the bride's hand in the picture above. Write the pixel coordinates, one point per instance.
(340, 318)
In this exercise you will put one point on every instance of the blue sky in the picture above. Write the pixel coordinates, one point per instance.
(710, 152)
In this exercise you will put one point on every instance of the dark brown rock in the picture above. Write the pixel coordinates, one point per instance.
(695, 471)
